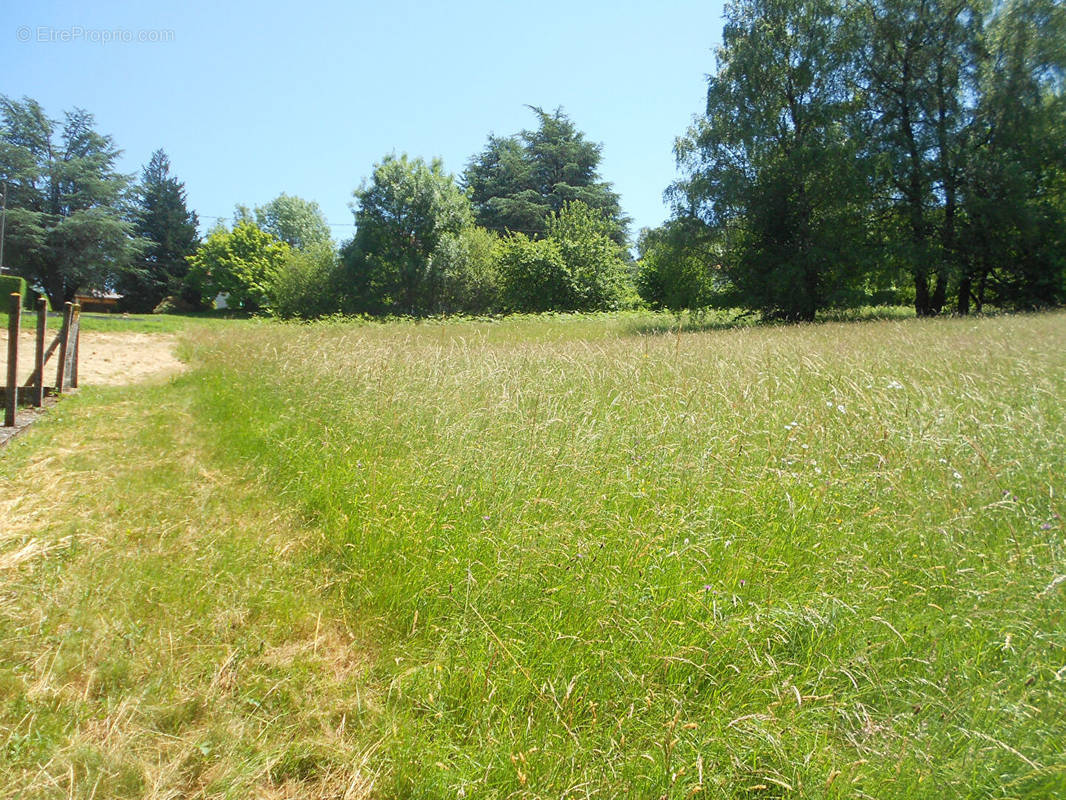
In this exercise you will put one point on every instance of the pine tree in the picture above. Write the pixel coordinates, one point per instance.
(518, 181)
(66, 204)
(169, 230)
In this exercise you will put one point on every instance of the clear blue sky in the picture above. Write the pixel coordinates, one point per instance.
(253, 99)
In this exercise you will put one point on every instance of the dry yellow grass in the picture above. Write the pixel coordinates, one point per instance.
(161, 635)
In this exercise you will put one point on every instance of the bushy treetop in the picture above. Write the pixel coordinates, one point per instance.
(517, 181)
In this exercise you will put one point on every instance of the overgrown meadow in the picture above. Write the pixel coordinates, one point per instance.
(596, 560)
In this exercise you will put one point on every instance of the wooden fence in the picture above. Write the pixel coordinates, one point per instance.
(34, 390)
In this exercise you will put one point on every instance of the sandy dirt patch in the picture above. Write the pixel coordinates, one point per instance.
(107, 359)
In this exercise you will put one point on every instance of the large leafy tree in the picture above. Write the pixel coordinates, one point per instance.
(243, 263)
(919, 73)
(518, 181)
(168, 229)
(402, 214)
(772, 165)
(297, 222)
(68, 207)
(1013, 240)
(847, 145)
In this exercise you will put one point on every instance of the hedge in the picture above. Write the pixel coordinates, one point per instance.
(9, 284)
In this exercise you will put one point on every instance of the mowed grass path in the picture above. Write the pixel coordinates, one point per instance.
(160, 635)
(577, 561)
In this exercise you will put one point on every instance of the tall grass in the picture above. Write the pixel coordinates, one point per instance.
(824, 560)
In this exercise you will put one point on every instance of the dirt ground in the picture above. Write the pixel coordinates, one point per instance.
(106, 359)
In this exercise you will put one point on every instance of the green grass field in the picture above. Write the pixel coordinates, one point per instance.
(602, 324)
(129, 323)
(548, 557)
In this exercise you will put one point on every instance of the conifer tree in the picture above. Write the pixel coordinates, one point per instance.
(518, 181)
(67, 206)
(169, 230)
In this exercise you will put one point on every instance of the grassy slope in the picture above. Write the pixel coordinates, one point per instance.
(817, 558)
(586, 563)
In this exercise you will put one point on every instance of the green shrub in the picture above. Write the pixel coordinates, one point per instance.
(466, 269)
(309, 284)
(597, 272)
(243, 263)
(578, 267)
(175, 304)
(10, 284)
(533, 275)
(678, 266)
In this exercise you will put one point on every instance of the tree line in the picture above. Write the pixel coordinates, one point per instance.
(529, 226)
(850, 152)
(859, 150)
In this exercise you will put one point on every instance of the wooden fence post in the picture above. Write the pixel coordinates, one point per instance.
(64, 337)
(77, 347)
(38, 357)
(14, 320)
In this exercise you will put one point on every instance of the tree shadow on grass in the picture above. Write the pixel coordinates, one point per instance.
(700, 320)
